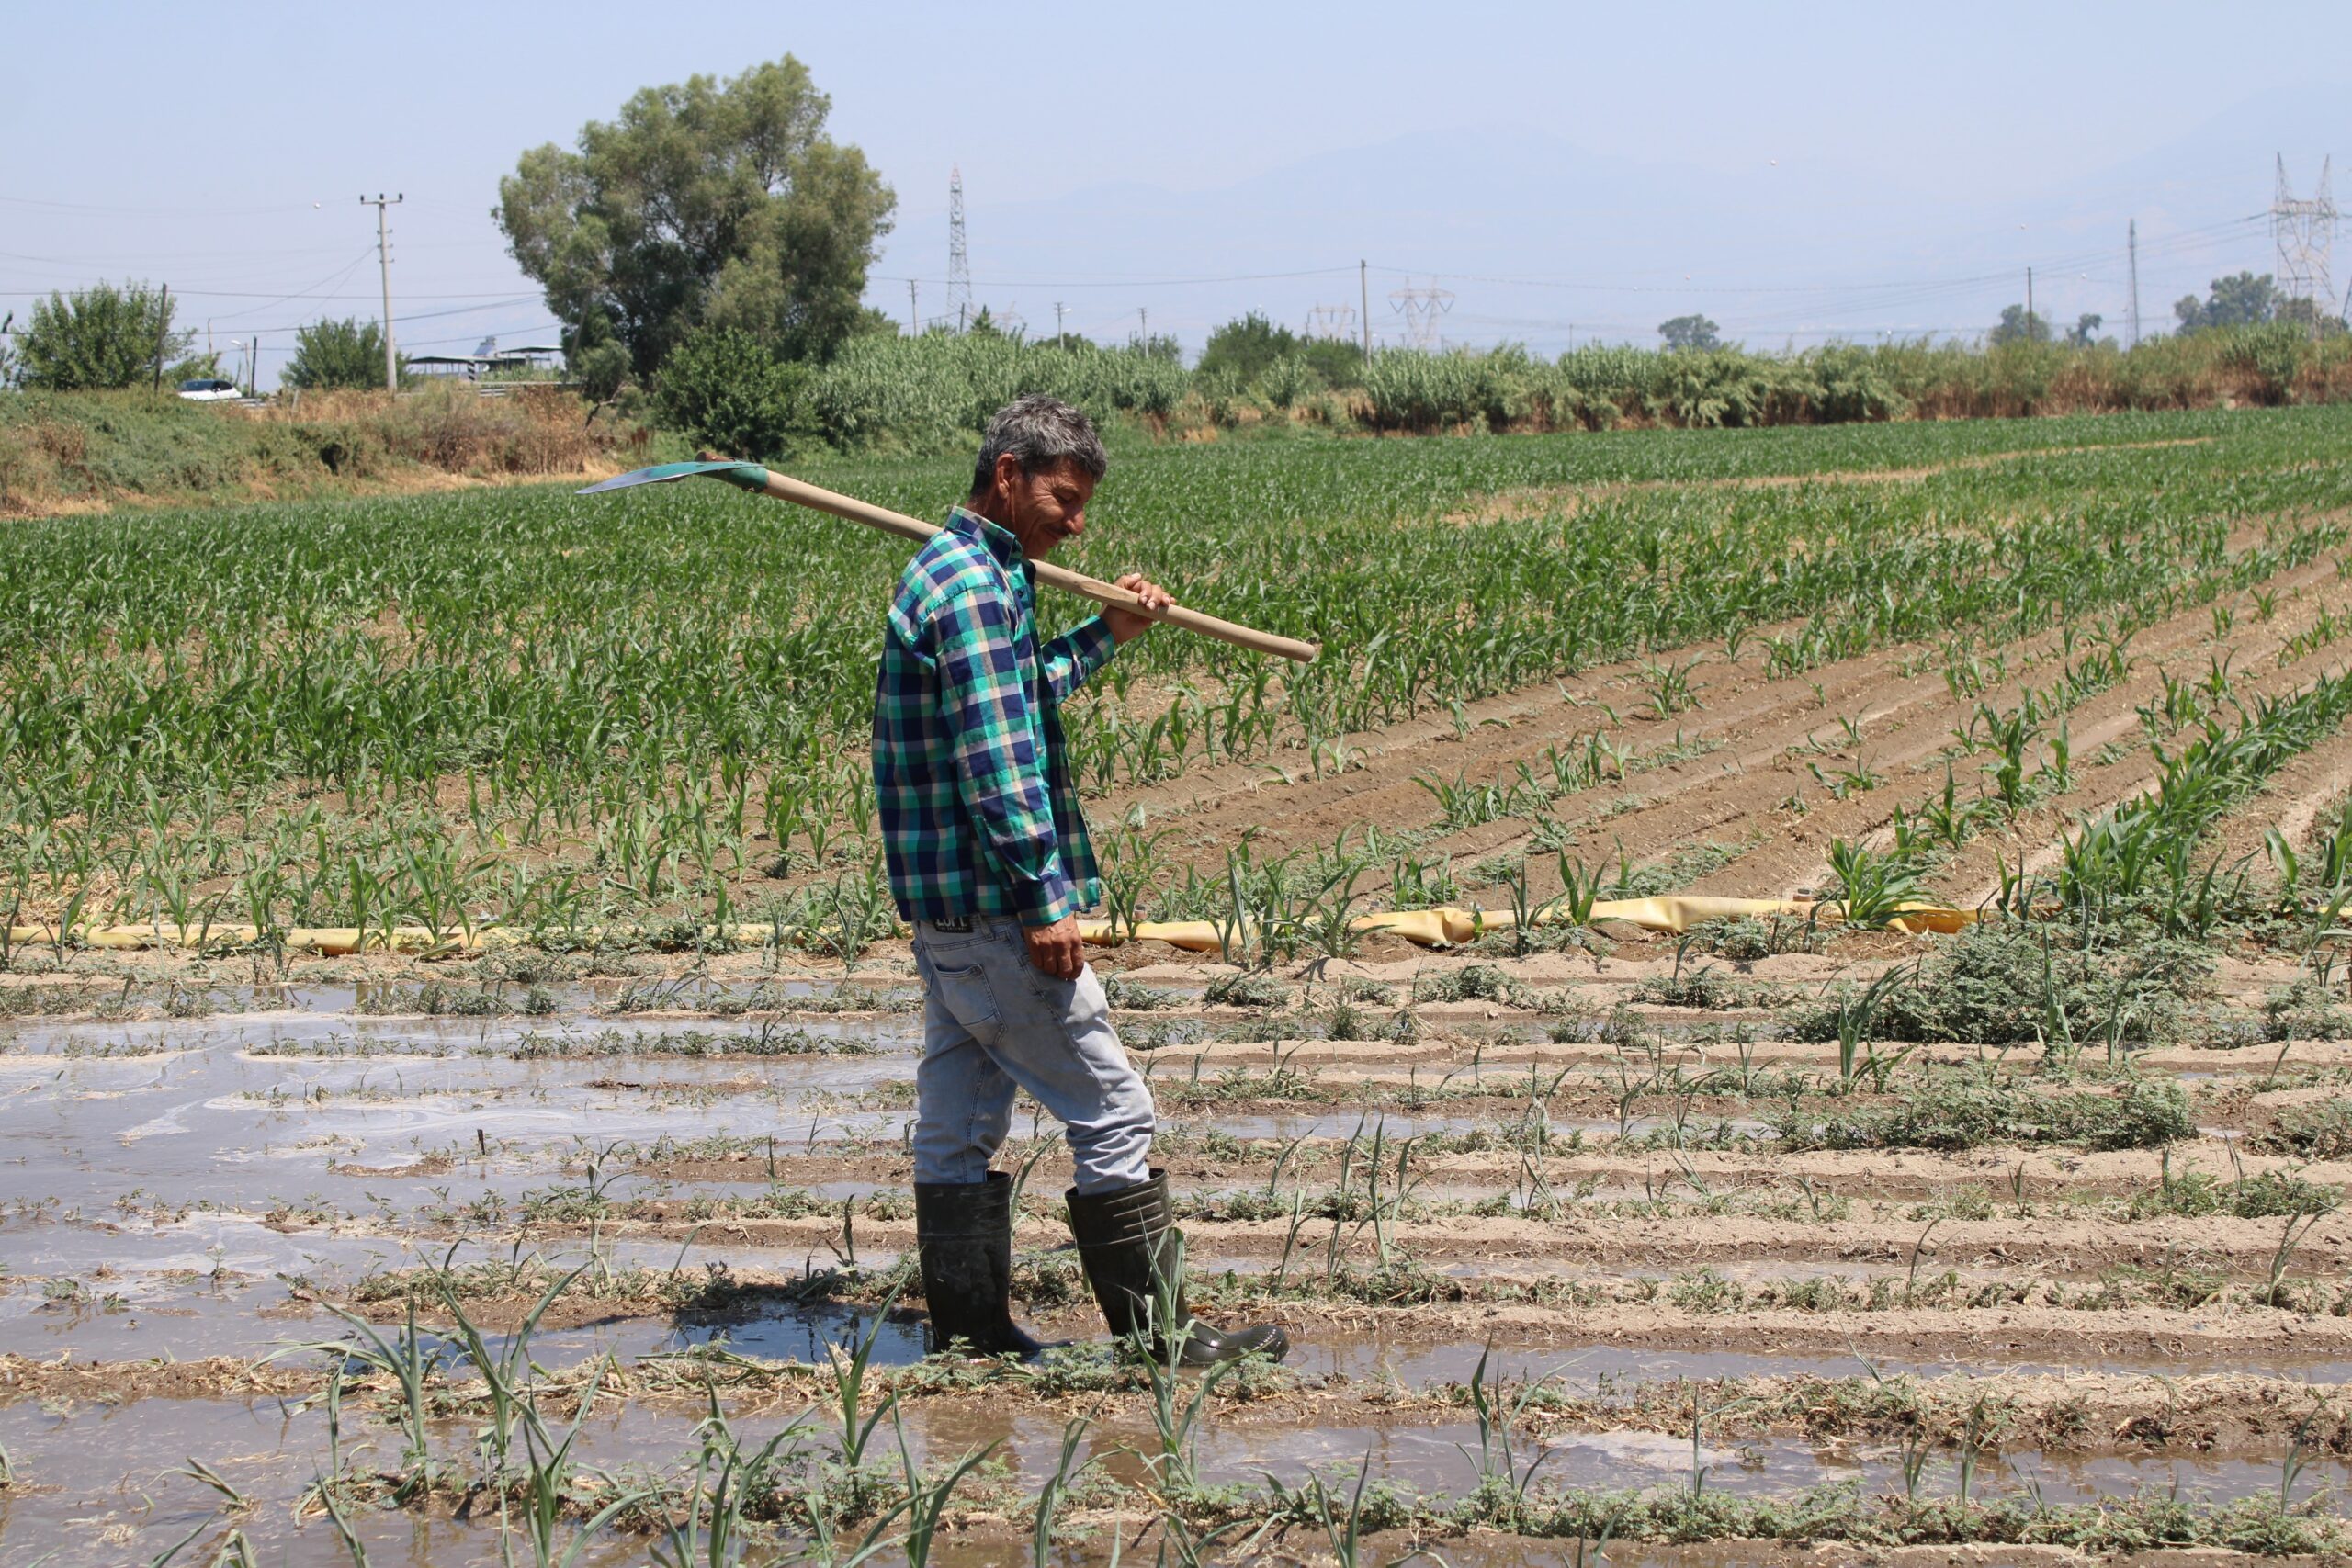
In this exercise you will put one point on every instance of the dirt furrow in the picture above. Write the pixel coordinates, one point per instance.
(1756, 716)
(1906, 724)
(2291, 802)
(1994, 1176)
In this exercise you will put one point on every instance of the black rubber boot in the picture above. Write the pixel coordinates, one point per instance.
(1128, 1244)
(965, 1232)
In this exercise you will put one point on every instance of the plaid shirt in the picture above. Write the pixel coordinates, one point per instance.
(979, 813)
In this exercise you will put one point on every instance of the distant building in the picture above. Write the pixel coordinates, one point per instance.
(522, 358)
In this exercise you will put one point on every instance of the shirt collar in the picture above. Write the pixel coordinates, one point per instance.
(995, 536)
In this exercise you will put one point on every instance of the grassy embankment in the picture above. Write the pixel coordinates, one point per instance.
(64, 453)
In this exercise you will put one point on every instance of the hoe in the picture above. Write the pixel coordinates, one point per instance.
(760, 481)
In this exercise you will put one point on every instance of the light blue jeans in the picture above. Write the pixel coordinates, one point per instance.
(994, 1022)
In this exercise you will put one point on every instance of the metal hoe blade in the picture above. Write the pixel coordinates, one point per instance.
(749, 476)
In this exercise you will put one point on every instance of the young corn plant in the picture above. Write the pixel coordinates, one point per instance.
(409, 1363)
(1503, 1478)
(505, 1374)
(1067, 1470)
(728, 1479)
(1869, 889)
(926, 1501)
(546, 1477)
(855, 1426)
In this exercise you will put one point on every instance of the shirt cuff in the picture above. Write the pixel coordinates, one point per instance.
(1091, 646)
(1047, 900)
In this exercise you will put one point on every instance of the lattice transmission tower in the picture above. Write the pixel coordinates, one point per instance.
(2304, 231)
(1421, 308)
(959, 260)
(1336, 322)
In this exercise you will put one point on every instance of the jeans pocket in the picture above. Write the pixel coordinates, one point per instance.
(970, 999)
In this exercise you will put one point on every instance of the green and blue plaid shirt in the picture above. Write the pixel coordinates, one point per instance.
(979, 813)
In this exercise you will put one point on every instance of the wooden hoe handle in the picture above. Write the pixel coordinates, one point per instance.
(786, 488)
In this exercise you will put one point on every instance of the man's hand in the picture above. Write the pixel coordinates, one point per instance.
(1056, 949)
(1126, 625)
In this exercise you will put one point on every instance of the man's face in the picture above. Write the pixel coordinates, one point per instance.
(1045, 507)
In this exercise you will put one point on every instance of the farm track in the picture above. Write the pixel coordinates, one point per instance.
(1567, 501)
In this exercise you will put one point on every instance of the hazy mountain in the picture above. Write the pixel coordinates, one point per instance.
(1531, 233)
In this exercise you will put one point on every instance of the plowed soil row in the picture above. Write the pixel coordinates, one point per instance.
(2046, 1176)
(2218, 1414)
(2291, 803)
(1732, 792)
(1591, 1244)
(2119, 1412)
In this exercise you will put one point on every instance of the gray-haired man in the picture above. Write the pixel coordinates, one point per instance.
(990, 860)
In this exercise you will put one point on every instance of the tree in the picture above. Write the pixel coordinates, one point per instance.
(706, 205)
(332, 355)
(100, 337)
(2311, 316)
(2242, 301)
(2086, 329)
(595, 359)
(2018, 326)
(1248, 347)
(729, 390)
(1695, 332)
(1244, 347)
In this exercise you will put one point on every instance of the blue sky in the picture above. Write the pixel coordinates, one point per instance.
(1797, 172)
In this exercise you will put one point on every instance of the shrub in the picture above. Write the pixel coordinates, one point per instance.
(1997, 983)
(727, 390)
(333, 355)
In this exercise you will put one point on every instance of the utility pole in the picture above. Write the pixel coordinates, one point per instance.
(384, 266)
(1143, 325)
(163, 333)
(1058, 321)
(1364, 294)
(2028, 304)
(2131, 242)
(914, 322)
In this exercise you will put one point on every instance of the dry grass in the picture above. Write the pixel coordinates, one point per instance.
(63, 454)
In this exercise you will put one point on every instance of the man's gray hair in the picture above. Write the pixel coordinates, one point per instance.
(1042, 432)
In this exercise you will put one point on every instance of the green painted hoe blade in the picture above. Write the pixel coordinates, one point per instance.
(748, 476)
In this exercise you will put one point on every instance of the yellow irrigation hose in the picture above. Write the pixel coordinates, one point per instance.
(1446, 926)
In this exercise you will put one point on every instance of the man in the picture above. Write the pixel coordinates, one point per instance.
(989, 861)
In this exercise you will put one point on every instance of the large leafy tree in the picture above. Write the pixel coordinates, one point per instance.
(721, 205)
(350, 353)
(101, 337)
(1692, 331)
(1245, 348)
(2019, 325)
(2241, 301)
